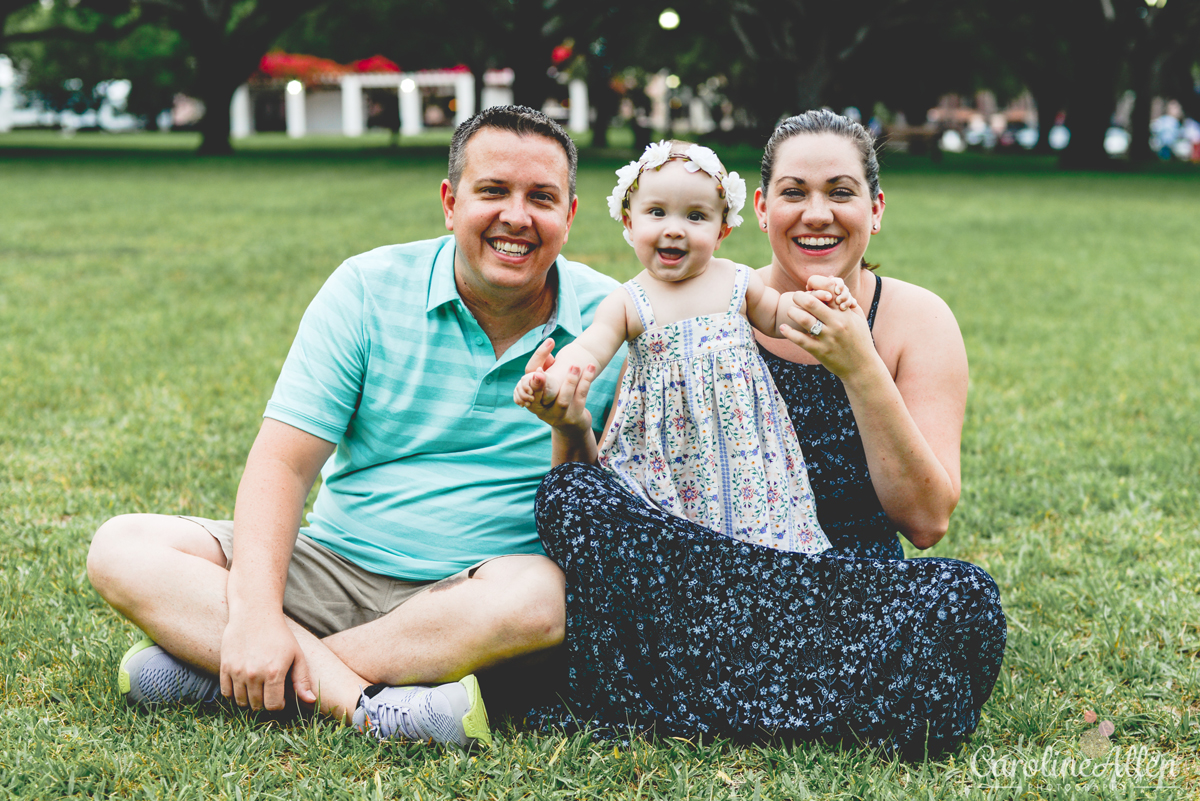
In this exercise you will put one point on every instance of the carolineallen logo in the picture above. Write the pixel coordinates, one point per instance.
(1092, 761)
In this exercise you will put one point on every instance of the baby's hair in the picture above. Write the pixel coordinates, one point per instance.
(678, 150)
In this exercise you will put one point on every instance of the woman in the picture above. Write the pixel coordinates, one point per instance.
(675, 626)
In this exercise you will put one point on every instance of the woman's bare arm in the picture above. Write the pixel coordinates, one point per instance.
(911, 422)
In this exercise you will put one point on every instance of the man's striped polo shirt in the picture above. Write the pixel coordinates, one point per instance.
(436, 468)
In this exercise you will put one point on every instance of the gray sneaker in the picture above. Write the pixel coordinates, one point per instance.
(448, 713)
(148, 675)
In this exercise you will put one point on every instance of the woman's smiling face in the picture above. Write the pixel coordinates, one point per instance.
(818, 209)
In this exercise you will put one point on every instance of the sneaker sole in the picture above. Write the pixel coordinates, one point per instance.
(124, 684)
(475, 722)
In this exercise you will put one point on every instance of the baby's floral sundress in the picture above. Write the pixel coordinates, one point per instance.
(701, 432)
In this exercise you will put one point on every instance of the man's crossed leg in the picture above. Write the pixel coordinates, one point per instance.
(169, 576)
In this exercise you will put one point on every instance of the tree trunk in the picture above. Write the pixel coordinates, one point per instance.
(605, 102)
(1093, 94)
(1049, 103)
(529, 55)
(1142, 79)
(221, 67)
(811, 83)
(214, 125)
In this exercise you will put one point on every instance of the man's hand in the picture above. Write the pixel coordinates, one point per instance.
(567, 409)
(255, 660)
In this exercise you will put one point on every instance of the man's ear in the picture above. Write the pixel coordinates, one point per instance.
(571, 217)
(448, 204)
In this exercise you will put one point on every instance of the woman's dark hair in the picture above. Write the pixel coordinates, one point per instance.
(819, 121)
(520, 120)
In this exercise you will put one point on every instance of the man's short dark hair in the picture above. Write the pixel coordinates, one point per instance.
(520, 120)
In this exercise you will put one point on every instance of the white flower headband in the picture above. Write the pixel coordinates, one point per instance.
(697, 157)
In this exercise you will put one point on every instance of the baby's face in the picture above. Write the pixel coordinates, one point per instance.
(675, 221)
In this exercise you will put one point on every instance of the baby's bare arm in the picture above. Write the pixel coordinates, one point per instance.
(594, 348)
(766, 308)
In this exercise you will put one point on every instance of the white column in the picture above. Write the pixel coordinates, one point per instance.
(410, 107)
(579, 118)
(352, 106)
(241, 113)
(7, 94)
(294, 110)
(464, 97)
(699, 118)
(656, 90)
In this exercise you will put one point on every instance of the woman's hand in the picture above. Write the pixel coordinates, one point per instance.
(831, 327)
(910, 417)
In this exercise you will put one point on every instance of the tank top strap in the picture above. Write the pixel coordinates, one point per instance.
(875, 302)
(741, 280)
(641, 303)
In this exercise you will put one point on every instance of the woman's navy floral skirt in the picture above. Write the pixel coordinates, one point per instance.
(677, 628)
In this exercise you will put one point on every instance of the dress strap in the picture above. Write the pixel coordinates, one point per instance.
(641, 303)
(741, 280)
(875, 302)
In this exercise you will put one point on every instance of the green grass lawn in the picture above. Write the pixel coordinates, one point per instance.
(148, 298)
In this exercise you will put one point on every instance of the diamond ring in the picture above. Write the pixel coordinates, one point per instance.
(817, 328)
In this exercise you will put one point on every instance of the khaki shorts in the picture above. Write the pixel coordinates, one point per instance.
(327, 593)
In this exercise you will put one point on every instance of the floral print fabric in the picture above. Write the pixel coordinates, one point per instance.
(701, 432)
(674, 627)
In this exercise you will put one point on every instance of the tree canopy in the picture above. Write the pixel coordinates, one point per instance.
(769, 58)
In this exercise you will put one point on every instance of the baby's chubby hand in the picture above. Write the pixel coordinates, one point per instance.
(534, 389)
(533, 385)
(833, 292)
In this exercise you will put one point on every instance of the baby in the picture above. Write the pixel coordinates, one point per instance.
(699, 428)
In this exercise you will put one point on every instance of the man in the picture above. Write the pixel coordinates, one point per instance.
(420, 563)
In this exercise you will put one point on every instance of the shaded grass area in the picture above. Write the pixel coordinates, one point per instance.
(147, 300)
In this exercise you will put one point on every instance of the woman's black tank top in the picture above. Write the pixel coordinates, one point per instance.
(847, 506)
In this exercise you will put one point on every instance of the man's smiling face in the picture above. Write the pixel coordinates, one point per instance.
(510, 213)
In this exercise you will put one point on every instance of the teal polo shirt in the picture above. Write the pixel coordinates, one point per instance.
(435, 468)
